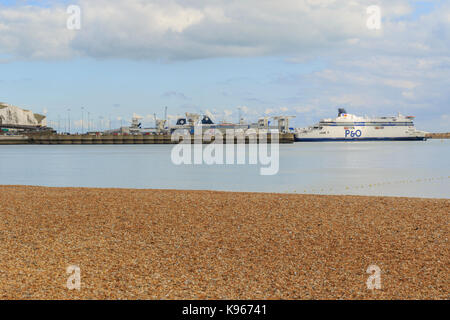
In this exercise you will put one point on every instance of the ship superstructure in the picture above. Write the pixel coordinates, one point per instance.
(207, 122)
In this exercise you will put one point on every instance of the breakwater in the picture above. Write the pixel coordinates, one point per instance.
(445, 135)
(114, 139)
(13, 140)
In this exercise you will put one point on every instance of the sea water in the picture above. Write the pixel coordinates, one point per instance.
(410, 168)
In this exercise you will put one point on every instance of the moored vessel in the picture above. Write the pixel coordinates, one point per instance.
(349, 127)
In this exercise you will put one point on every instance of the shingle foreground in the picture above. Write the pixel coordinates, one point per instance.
(164, 244)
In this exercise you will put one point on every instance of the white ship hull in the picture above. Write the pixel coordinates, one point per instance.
(348, 127)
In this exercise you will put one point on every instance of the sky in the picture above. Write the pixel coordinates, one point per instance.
(254, 57)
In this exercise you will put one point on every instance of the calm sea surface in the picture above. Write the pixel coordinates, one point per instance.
(413, 169)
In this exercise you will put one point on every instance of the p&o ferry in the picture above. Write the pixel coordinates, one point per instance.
(349, 127)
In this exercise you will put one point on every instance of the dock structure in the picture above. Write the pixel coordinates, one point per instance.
(7, 140)
(56, 139)
(442, 135)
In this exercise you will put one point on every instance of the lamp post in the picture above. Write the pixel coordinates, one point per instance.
(89, 123)
(68, 112)
(100, 123)
(82, 120)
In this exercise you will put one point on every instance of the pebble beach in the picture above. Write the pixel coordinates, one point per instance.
(170, 244)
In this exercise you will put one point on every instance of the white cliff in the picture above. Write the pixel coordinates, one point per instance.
(16, 116)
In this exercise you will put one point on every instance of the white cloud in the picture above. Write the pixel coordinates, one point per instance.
(244, 109)
(184, 30)
(276, 111)
(354, 100)
(175, 94)
(227, 113)
(408, 94)
(403, 84)
(173, 116)
(139, 29)
(302, 109)
(35, 33)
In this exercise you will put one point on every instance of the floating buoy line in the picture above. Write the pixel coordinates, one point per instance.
(369, 186)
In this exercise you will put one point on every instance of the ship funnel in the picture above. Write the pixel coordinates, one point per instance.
(210, 116)
(341, 111)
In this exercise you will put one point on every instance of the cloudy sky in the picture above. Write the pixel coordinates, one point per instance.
(292, 57)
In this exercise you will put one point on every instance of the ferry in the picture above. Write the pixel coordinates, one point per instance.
(207, 122)
(349, 127)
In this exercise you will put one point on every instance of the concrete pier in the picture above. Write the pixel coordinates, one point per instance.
(13, 140)
(55, 139)
(442, 135)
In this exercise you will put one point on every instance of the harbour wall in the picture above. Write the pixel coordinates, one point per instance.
(445, 135)
(13, 140)
(54, 139)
